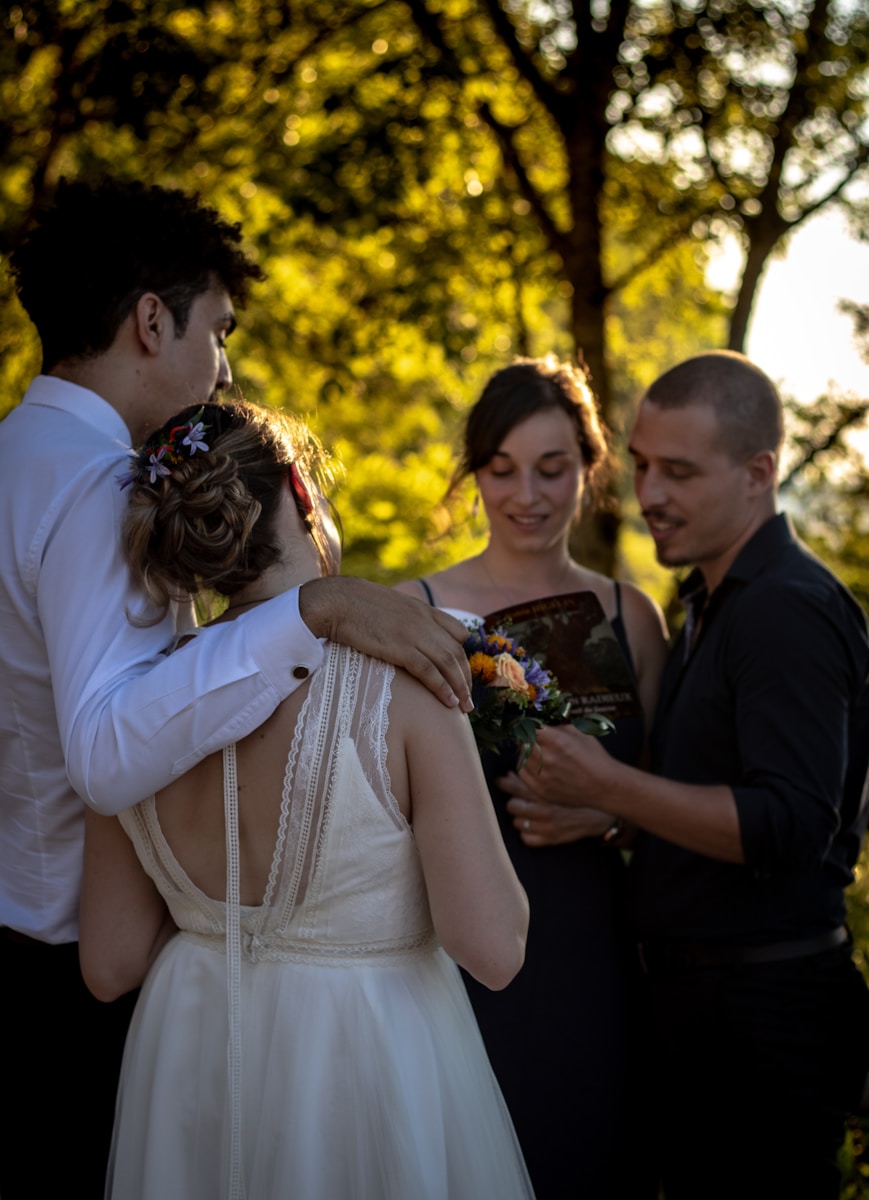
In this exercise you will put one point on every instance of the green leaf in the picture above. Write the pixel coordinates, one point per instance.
(595, 724)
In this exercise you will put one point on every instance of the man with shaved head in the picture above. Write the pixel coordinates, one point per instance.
(750, 824)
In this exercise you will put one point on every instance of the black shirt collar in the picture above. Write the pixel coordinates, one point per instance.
(751, 559)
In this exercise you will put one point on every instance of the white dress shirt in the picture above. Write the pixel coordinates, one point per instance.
(90, 702)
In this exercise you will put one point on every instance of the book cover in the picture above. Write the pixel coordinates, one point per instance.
(571, 637)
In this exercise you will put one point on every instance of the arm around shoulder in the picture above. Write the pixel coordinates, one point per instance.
(137, 718)
(479, 908)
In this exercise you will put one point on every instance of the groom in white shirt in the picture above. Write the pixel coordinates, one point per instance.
(131, 290)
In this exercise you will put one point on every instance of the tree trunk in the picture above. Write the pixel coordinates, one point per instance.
(762, 238)
(585, 126)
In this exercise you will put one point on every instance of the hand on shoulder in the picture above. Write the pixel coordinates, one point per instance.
(400, 629)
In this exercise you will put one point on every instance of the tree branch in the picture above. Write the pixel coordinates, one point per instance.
(504, 134)
(843, 420)
(551, 99)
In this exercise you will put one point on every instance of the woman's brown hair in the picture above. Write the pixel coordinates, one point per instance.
(208, 523)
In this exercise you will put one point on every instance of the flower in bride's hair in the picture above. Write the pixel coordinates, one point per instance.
(196, 438)
(515, 696)
(151, 462)
(155, 467)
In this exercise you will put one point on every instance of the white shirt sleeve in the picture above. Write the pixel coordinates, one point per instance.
(131, 716)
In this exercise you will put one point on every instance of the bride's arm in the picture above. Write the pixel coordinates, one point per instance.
(123, 921)
(479, 908)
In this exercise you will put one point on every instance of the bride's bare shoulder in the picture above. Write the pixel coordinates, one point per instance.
(416, 715)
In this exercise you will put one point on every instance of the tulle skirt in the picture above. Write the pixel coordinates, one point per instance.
(362, 1081)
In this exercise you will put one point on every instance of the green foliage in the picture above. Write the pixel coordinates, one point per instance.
(826, 487)
(854, 1160)
(858, 912)
(434, 187)
(477, 178)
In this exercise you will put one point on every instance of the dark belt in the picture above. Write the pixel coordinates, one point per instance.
(687, 956)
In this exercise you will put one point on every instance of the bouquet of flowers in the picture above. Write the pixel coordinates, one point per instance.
(514, 695)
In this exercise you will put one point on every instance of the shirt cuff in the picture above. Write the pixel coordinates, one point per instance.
(281, 644)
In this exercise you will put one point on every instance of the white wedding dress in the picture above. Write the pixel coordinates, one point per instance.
(332, 1053)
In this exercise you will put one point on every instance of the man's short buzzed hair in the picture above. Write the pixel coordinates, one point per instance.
(745, 400)
(89, 254)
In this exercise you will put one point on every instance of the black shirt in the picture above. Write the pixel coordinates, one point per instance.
(772, 701)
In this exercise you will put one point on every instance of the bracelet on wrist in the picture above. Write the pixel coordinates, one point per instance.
(615, 830)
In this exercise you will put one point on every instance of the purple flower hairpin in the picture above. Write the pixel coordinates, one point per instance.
(151, 463)
(195, 437)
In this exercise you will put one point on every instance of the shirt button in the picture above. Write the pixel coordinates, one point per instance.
(300, 672)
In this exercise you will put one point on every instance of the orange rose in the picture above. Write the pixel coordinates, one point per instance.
(509, 674)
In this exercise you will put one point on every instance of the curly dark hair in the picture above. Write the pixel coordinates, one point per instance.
(209, 524)
(86, 257)
(528, 386)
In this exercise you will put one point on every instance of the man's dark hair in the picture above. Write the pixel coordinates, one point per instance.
(745, 400)
(86, 258)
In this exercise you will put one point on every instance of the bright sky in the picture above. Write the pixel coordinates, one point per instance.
(797, 335)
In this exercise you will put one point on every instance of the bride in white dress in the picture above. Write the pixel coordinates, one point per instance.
(296, 906)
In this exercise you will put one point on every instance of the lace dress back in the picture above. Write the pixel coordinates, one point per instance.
(326, 896)
(319, 1045)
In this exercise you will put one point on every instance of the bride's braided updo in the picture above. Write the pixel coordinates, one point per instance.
(204, 492)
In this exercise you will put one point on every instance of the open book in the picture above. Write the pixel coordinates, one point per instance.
(570, 636)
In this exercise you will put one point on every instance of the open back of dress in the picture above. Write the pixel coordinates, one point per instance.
(359, 1071)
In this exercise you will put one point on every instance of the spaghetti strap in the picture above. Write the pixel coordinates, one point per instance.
(428, 592)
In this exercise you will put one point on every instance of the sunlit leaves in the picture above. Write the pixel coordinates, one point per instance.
(436, 185)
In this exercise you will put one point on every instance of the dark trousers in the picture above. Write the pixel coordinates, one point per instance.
(756, 1068)
(59, 1073)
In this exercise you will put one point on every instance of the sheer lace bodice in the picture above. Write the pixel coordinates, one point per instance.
(346, 878)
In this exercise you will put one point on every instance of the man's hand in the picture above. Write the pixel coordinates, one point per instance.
(566, 768)
(547, 802)
(389, 625)
(574, 771)
(542, 824)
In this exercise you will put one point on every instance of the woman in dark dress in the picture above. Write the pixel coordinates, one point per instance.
(560, 1035)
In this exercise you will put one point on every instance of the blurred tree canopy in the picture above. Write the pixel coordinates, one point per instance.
(434, 186)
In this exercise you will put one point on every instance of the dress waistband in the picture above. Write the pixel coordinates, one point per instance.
(257, 947)
(659, 957)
